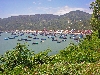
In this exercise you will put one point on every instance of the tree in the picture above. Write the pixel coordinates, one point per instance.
(95, 19)
(21, 55)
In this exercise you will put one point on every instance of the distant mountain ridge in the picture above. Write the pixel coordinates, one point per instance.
(73, 20)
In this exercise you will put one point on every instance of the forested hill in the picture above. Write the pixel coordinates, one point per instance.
(72, 20)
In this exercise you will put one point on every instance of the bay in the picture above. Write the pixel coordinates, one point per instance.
(41, 46)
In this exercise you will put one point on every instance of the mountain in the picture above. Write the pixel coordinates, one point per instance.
(73, 20)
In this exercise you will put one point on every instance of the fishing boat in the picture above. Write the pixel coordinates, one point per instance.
(64, 37)
(19, 40)
(11, 37)
(43, 39)
(58, 41)
(35, 43)
(5, 38)
(16, 36)
(53, 39)
(35, 38)
(76, 38)
(29, 37)
(63, 40)
(23, 39)
(27, 40)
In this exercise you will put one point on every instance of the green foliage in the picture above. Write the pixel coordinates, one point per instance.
(41, 58)
(95, 19)
(59, 68)
(81, 59)
(19, 56)
(49, 21)
(79, 54)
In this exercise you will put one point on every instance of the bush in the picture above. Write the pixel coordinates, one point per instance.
(81, 59)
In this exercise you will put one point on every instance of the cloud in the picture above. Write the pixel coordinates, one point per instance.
(34, 2)
(37, 3)
(47, 10)
(21, 14)
(67, 9)
(51, 10)
(49, 0)
(14, 14)
(61, 10)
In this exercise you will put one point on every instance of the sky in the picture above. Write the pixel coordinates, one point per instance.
(10, 8)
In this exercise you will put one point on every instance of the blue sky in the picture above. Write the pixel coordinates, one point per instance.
(30, 7)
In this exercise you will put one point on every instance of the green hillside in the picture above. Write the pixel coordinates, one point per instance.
(74, 19)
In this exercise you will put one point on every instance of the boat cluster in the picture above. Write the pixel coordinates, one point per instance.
(31, 36)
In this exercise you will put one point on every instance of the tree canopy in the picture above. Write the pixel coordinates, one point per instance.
(95, 20)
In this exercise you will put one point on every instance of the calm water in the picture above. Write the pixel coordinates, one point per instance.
(48, 43)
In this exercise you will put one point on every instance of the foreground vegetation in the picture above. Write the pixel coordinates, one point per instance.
(82, 59)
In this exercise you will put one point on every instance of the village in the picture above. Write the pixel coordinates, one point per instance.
(72, 31)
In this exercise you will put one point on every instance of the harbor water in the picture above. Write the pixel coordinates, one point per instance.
(7, 42)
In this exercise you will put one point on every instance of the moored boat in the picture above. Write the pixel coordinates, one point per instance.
(23, 39)
(11, 37)
(35, 43)
(64, 37)
(58, 41)
(5, 38)
(43, 39)
(19, 40)
(63, 40)
(35, 38)
(29, 37)
(27, 40)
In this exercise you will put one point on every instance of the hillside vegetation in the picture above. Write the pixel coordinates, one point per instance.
(81, 59)
(75, 20)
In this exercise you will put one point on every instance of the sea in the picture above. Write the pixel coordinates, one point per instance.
(7, 42)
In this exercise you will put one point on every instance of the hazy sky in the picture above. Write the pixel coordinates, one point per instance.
(30, 7)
